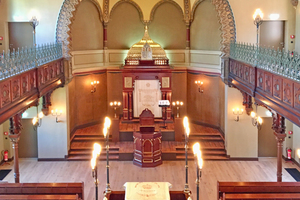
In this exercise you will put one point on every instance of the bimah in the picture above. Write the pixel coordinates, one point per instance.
(147, 142)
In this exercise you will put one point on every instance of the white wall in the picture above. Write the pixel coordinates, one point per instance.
(297, 38)
(243, 11)
(46, 12)
(241, 137)
(296, 141)
(52, 136)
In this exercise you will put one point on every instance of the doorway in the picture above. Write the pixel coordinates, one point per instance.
(20, 35)
(272, 34)
(267, 145)
(28, 140)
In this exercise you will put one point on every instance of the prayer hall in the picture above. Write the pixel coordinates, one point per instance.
(150, 99)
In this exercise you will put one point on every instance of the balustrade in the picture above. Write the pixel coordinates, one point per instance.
(280, 62)
(18, 61)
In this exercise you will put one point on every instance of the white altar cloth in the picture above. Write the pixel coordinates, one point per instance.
(147, 191)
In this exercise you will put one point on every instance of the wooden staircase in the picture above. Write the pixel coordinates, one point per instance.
(211, 145)
(82, 147)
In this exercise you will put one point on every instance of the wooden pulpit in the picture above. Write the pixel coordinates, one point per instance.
(147, 142)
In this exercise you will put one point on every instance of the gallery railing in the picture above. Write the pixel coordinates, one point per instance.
(18, 61)
(276, 61)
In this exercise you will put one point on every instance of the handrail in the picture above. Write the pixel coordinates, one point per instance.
(18, 61)
(278, 61)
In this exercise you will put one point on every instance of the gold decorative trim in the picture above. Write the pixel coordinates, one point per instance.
(196, 4)
(128, 82)
(157, 160)
(187, 11)
(131, 2)
(105, 11)
(165, 82)
(148, 161)
(162, 2)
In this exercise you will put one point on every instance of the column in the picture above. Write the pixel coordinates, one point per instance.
(104, 35)
(125, 106)
(46, 103)
(188, 33)
(247, 102)
(14, 135)
(279, 132)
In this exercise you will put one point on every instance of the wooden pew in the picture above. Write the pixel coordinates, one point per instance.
(258, 190)
(40, 197)
(120, 195)
(43, 189)
(277, 196)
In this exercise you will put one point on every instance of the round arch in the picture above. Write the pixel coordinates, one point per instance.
(65, 18)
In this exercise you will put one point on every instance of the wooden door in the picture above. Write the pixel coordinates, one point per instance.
(272, 34)
(28, 140)
(20, 35)
(267, 145)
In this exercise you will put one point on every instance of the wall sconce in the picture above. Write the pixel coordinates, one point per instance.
(93, 84)
(56, 114)
(237, 112)
(177, 103)
(256, 120)
(37, 121)
(199, 84)
(115, 104)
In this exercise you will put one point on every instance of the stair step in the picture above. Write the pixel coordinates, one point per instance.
(87, 139)
(199, 137)
(84, 158)
(182, 157)
(207, 152)
(76, 152)
(202, 148)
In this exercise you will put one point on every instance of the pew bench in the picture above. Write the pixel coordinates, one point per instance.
(273, 196)
(60, 189)
(258, 190)
(39, 197)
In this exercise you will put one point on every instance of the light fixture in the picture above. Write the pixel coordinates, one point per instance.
(199, 84)
(94, 84)
(256, 120)
(56, 114)
(178, 104)
(37, 121)
(107, 123)
(199, 164)
(298, 153)
(34, 22)
(237, 112)
(115, 104)
(258, 17)
(94, 162)
(187, 133)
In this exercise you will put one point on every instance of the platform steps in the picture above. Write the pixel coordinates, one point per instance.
(82, 147)
(211, 144)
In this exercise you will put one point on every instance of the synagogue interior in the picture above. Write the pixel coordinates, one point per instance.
(149, 99)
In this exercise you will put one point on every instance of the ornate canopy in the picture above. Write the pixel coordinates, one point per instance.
(145, 49)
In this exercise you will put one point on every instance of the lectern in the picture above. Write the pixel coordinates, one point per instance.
(147, 142)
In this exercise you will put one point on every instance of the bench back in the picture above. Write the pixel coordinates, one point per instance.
(43, 189)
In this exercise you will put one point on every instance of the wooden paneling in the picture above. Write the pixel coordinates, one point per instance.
(21, 91)
(274, 91)
(72, 106)
(114, 91)
(179, 91)
(204, 107)
(90, 107)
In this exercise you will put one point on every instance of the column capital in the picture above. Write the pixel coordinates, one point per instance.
(278, 123)
(279, 137)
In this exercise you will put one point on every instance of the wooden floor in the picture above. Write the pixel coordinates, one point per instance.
(170, 171)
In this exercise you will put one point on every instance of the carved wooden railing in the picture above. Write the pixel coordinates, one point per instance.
(272, 78)
(28, 74)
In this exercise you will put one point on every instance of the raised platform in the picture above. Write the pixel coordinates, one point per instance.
(211, 142)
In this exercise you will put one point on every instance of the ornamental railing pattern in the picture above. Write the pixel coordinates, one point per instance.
(278, 61)
(18, 61)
